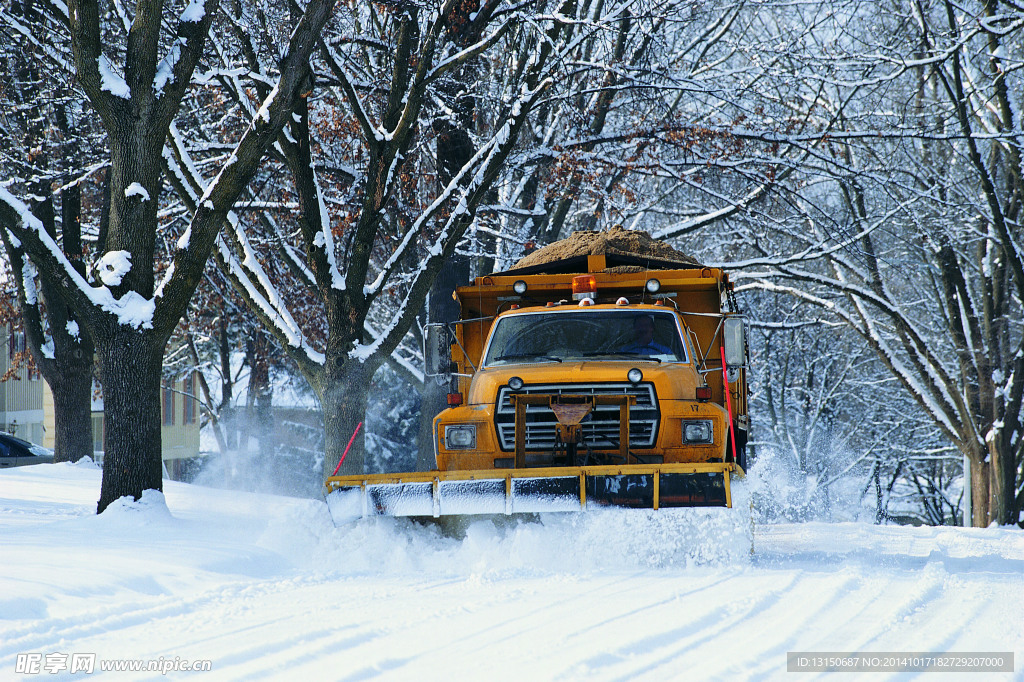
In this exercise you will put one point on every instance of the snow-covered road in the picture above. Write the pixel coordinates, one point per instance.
(265, 587)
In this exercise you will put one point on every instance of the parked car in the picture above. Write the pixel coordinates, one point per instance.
(15, 452)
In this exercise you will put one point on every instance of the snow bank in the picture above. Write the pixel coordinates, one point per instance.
(148, 510)
(265, 587)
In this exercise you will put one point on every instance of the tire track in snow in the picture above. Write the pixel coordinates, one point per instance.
(695, 592)
(360, 635)
(929, 612)
(903, 611)
(51, 633)
(779, 619)
(518, 622)
(714, 621)
(289, 654)
(976, 602)
(907, 597)
(855, 601)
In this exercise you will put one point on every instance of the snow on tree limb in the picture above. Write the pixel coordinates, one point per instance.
(444, 244)
(247, 272)
(217, 198)
(130, 309)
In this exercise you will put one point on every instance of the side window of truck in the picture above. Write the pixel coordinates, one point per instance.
(667, 334)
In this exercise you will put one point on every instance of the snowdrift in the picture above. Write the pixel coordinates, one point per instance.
(265, 587)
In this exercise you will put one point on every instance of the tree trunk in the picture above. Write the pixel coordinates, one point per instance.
(228, 417)
(1001, 488)
(130, 364)
(980, 512)
(344, 400)
(425, 459)
(71, 384)
(259, 414)
(72, 412)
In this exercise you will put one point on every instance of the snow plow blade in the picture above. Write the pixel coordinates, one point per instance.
(529, 491)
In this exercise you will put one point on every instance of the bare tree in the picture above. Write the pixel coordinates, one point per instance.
(135, 70)
(47, 148)
(893, 241)
(373, 230)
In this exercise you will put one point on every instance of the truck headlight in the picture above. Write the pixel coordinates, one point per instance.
(460, 437)
(698, 431)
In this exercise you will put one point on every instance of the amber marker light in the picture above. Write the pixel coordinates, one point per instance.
(584, 286)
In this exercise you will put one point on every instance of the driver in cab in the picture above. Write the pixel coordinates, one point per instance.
(643, 338)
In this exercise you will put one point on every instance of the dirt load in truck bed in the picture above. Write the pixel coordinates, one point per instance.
(618, 241)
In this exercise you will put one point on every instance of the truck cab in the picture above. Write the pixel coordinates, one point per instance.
(600, 367)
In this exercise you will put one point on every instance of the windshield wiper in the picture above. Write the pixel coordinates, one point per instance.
(523, 356)
(622, 354)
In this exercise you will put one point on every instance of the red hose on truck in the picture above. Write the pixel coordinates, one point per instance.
(353, 439)
(728, 405)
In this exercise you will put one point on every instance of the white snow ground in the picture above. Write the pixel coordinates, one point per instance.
(265, 588)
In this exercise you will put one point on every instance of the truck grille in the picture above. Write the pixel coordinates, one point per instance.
(600, 431)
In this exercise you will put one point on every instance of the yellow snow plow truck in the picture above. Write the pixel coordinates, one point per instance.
(589, 381)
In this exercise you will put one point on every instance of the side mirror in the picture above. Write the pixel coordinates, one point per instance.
(437, 350)
(732, 339)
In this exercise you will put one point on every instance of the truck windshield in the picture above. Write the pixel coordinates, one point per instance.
(593, 335)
